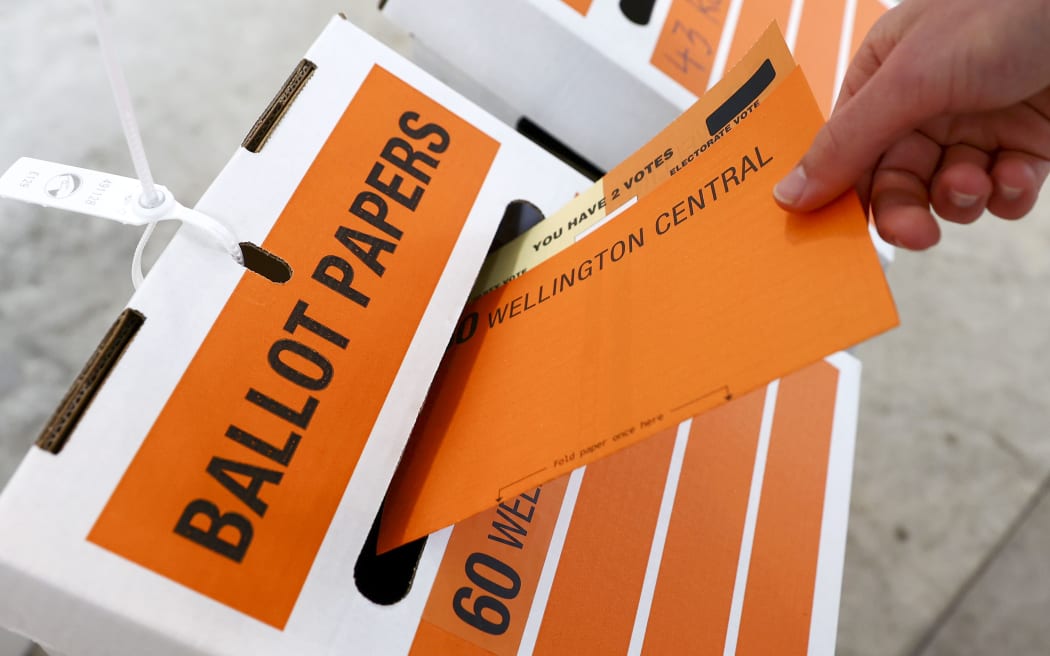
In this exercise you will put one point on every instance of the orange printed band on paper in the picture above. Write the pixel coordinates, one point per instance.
(233, 489)
(704, 124)
(703, 290)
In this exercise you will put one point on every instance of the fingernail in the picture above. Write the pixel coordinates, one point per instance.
(962, 200)
(1010, 193)
(789, 190)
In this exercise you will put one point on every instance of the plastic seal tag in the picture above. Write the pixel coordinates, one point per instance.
(103, 195)
(79, 190)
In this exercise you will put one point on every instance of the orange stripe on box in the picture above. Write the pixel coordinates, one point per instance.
(596, 589)
(778, 599)
(694, 589)
(755, 17)
(258, 440)
(515, 535)
(817, 48)
(432, 640)
(688, 40)
(581, 6)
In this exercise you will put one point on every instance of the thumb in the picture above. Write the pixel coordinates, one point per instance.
(854, 138)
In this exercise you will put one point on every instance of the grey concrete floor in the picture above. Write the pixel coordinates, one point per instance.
(950, 524)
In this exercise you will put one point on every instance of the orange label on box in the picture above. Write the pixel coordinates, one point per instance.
(233, 489)
(703, 290)
(688, 40)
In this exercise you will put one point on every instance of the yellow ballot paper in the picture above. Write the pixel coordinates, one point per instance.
(700, 292)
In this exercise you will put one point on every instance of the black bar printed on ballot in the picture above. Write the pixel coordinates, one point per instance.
(742, 98)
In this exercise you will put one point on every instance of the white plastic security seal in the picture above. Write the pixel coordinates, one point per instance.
(107, 196)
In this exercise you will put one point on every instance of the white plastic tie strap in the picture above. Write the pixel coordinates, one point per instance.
(151, 195)
(107, 196)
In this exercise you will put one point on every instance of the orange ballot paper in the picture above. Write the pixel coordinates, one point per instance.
(700, 292)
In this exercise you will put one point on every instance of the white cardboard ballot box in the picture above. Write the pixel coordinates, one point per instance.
(380, 190)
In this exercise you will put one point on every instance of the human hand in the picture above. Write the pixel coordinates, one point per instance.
(947, 103)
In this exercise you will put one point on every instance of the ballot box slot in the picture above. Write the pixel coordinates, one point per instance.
(386, 578)
(555, 147)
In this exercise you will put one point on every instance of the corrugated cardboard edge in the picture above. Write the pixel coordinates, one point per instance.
(274, 112)
(90, 379)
